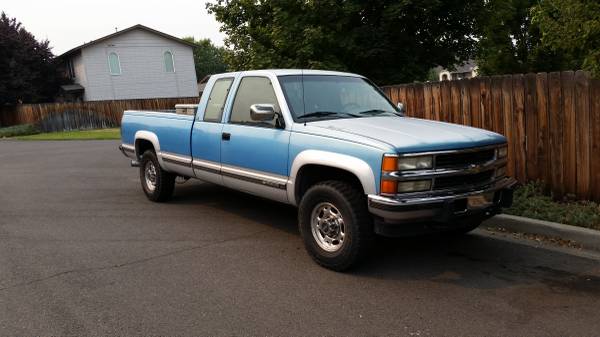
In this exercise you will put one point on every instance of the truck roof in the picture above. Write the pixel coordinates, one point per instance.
(282, 72)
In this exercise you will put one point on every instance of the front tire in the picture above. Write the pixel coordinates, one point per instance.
(335, 224)
(158, 184)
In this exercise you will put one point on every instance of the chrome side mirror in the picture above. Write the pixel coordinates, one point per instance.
(262, 112)
(401, 108)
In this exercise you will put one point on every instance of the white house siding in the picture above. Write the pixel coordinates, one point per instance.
(143, 73)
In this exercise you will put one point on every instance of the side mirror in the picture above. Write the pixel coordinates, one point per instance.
(262, 112)
(401, 108)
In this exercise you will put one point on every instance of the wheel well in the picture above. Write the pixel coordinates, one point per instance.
(142, 145)
(310, 175)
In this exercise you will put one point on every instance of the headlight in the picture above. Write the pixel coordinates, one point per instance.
(415, 163)
(502, 152)
(414, 186)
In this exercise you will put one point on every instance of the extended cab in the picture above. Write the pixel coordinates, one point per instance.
(331, 144)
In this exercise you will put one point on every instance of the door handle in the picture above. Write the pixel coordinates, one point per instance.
(226, 136)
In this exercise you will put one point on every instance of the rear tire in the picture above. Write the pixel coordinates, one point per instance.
(158, 184)
(335, 224)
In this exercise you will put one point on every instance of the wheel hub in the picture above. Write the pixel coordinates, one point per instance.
(327, 227)
(150, 176)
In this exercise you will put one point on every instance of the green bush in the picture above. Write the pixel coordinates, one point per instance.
(531, 201)
(19, 130)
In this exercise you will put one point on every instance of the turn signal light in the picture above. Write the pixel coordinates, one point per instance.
(389, 163)
(389, 186)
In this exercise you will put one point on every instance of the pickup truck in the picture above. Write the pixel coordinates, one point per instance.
(331, 144)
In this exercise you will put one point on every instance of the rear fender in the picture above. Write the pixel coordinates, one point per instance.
(152, 138)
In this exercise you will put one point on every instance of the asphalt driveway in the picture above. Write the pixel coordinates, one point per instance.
(83, 253)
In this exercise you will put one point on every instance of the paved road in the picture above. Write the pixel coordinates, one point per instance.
(83, 253)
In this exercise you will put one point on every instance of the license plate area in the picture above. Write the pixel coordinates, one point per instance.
(480, 201)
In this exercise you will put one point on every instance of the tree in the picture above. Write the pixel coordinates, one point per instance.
(519, 36)
(509, 42)
(571, 28)
(389, 41)
(209, 59)
(27, 67)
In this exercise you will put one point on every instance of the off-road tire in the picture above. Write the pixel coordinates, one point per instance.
(352, 205)
(165, 181)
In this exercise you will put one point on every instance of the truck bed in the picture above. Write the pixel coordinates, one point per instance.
(173, 129)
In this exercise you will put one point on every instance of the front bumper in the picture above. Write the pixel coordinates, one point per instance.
(486, 201)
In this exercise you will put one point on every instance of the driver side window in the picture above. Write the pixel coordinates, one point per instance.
(253, 90)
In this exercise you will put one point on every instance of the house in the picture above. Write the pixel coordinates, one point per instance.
(202, 84)
(137, 62)
(465, 70)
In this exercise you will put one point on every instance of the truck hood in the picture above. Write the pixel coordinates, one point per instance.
(412, 134)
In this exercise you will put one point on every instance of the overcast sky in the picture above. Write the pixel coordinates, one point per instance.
(69, 23)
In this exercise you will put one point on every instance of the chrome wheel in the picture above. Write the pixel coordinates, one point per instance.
(150, 175)
(328, 227)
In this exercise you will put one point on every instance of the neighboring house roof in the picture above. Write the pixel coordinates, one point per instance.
(148, 29)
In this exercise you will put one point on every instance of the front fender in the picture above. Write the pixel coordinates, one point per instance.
(354, 165)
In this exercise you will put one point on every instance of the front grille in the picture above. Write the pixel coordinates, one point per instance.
(463, 159)
(463, 180)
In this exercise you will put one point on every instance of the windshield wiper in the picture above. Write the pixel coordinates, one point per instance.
(326, 113)
(375, 112)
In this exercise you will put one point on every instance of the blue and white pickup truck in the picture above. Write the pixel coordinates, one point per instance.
(331, 144)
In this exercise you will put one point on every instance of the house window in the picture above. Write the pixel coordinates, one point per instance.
(114, 64)
(169, 66)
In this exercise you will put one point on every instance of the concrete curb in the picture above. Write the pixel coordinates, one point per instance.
(587, 238)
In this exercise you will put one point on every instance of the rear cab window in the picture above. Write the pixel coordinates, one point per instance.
(216, 100)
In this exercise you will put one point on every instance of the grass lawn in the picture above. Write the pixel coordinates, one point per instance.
(75, 135)
(531, 201)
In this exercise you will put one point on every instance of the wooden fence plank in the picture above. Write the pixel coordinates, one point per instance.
(446, 106)
(428, 102)
(556, 133)
(465, 99)
(569, 131)
(437, 101)
(543, 140)
(419, 100)
(531, 117)
(519, 127)
(595, 138)
(455, 105)
(497, 121)
(475, 98)
(486, 103)
(582, 115)
(507, 117)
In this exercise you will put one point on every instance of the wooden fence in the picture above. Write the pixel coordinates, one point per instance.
(86, 115)
(551, 120)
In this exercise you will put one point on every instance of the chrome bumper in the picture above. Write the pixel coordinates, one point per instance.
(442, 208)
(129, 152)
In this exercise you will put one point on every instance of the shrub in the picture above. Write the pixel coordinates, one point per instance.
(531, 201)
(19, 130)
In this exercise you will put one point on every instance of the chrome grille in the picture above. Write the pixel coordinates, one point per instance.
(463, 180)
(464, 159)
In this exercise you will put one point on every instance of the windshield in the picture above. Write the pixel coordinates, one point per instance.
(316, 97)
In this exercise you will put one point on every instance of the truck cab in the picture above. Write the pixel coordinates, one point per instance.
(333, 145)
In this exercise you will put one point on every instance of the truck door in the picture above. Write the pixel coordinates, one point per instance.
(254, 154)
(206, 133)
